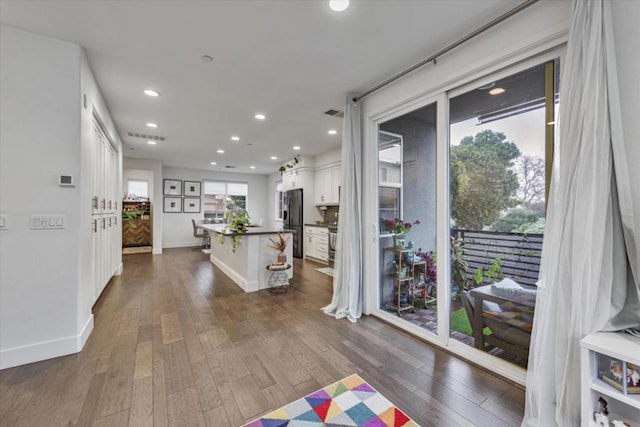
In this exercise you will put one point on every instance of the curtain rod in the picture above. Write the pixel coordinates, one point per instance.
(435, 56)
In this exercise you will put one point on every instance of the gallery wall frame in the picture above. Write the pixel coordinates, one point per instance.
(172, 187)
(172, 205)
(192, 188)
(191, 205)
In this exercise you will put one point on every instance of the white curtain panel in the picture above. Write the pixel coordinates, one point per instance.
(589, 254)
(347, 276)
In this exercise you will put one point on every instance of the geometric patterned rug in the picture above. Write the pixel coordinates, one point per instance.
(349, 402)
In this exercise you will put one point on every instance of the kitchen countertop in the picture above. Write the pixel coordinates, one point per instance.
(318, 225)
(251, 231)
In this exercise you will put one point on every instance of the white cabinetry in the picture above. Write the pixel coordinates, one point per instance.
(316, 243)
(105, 218)
(328, 185)
(294, 179)
(599, 349)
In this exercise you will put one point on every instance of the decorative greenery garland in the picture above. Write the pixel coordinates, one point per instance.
(289, 165)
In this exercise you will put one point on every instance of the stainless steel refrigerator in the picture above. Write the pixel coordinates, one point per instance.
(293, 219)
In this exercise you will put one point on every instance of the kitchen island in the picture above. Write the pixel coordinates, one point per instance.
(247, 265)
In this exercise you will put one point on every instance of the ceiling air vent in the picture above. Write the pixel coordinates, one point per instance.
(334, 113)
(230, 167)
(147, 137)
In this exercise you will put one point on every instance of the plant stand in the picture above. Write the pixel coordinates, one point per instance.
(279, 279)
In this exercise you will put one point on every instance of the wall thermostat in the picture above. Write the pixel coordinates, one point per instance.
(66, 181)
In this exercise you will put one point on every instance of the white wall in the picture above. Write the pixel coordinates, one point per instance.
(152, 169)
(177, 229)
(329, 158)
(271, 200)
(45, 284)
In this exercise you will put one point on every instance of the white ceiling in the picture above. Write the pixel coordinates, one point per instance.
(289, 59)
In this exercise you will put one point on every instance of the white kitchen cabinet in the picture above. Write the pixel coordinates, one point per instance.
(597, 352)
(317, 243)
(327, 190)
(294, 179)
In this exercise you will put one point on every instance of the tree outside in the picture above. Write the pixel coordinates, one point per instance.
(514, 219)
(483, 183)
(531, 174)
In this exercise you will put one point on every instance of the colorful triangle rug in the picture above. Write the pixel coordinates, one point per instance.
(349, 402)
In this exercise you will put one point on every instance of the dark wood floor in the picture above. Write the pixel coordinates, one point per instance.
(177, 343)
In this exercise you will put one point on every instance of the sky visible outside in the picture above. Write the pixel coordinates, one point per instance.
(526, 130)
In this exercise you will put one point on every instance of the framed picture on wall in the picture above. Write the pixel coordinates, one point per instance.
(191, 205)
(172, 204)
(192, 188)
(173, 187)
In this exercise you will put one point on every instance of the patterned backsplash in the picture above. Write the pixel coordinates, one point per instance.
(330, 215)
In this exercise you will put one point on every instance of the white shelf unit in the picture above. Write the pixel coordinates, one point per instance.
(617, 345)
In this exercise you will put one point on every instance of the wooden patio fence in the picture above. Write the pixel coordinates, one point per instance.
(519, 254)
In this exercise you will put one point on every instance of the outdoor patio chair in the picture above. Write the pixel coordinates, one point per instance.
(509, 316)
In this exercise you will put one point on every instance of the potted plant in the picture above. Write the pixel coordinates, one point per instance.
(131, 216)
(399, 229)
(238, 222)
(459, 263)
(280, 244)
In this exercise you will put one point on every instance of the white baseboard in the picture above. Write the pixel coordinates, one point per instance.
(156, 251)
(239, 280)
(86, 331)
(189, 244)
(46, 350)
(119, 270)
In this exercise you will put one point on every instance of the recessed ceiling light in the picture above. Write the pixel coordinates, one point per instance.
(332, 132)
(235, 138)
(338, 5)
(252, 167)
(152, 125)
(260, 116)
(206, 58)
(296, 147)
(497, 91)
(274, 158)
(151, 142)
(151, 92)
(213, 163)
(220, 151)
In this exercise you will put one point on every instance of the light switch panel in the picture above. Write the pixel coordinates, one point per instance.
(47, 222)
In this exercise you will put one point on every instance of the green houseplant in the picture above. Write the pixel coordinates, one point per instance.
(459, 263)
(131, 216)
(238, 222)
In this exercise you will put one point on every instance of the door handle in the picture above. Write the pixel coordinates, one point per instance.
(94, 202)
(375, 232)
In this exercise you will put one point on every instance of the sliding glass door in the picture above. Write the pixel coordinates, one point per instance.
(499, 153)
(461, 188)
(407, 217)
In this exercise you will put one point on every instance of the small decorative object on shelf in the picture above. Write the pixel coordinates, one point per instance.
(610, 373)
(619, 374)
